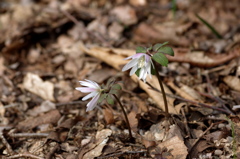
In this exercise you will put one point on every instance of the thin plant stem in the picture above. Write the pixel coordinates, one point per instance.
(125, 114)
(162, 88)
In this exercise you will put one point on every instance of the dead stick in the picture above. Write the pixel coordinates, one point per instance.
(5, 142)
(201, 136)
(28, 135)
(25, 155)
(187, 100)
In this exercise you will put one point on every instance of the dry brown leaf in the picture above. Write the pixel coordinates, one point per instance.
(50, 117)
(177, 144)
(190, 91)
(180, 92)
(102, 139)
(133, 121)
(117, 62)
(137, 2)
(34, 84)
(125, 14)
(44, 107)
(108, 116)
(101, 74)
(152, 34)
(233, 82)
(2, 67)
(185, 55)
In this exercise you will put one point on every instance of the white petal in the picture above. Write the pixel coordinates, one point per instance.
(133, 70)
(149, 70)
(87, 84)
(130, 57)
(89, 96)
(92, 104)
(144, 77)
(142, 71)
(138, 55)
(85, 89)
(94, 83)
(130, 64)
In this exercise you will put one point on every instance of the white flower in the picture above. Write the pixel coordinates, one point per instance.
(95, 91)
(140, 61)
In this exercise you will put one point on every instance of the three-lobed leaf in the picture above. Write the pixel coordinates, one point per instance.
(141, 49)
(159, 45)
(102, 97)
(110, 99)
(116, 86)
(166, 50)
(161, 59)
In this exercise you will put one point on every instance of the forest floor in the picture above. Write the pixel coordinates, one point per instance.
(48, 46)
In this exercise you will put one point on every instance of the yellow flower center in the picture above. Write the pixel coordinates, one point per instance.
(141, 62)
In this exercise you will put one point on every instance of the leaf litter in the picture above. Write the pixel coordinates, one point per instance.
(48, 46)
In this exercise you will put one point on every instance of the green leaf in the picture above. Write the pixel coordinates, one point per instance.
(116, 86)
(209, 26)
(141, 49)
(102, 97)
(167, 50)
(110, 82)
(157, 46)
(161, 59)
(113, 91)
(110, 99)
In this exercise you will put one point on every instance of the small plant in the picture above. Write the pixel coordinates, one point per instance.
(99, 93)
(145, 61)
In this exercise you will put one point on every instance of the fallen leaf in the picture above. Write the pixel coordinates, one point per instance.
(50, 117)
(34, 84)
(177, 144)
(108, 115)
(133, 121)
(44, 107)
(233, 82)
(147, 33)
(101, 140)
(125, 14)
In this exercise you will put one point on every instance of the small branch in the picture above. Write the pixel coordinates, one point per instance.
(51, 153)
(122, 153)
(25, 155)
(189, 101)
(5, 142)
(162, 88)
(125, 114)
(28, 135)
(195, 142)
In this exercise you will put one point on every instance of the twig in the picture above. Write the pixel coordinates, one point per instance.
(201, 136)
(185, 123)
(219, 100)
(5, 142)
(189, 101)
(51, 153)
(28, 135)
(25, 155)
(122, 153)
(9, 105)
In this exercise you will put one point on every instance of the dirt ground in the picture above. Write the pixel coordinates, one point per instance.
(48, 46)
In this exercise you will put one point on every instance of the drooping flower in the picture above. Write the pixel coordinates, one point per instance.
(140, 61)
(95, 92)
